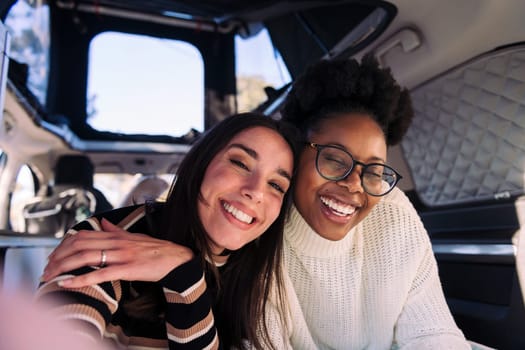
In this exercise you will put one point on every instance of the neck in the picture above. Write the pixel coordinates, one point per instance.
(219, 259)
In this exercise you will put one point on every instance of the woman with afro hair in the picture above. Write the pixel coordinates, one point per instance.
(362, 274)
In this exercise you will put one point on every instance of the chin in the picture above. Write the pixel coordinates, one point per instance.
(234, 247)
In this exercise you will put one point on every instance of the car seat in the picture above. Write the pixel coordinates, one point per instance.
(72, 199)
(147, 188)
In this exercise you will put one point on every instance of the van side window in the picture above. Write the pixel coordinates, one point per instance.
(23, 191)
(258, 65)
(28, 24)
(137, 83)
(473, 116)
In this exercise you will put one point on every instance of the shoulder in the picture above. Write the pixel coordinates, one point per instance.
(399, 199)
(394, 207)
(394, 231)
(130, 218)
(395, 218)
(118, 213)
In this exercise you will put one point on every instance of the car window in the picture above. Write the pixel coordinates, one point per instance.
(473, 117)
(258, 65)
(137, 83)
(28, 24)
(23, 191)
(173, 92)
(117, 186)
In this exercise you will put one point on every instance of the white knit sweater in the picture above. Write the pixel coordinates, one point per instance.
(377, 288)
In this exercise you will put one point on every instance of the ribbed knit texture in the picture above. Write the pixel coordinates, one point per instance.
(377, 288)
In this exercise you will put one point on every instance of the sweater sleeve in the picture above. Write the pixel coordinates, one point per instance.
(90, 308)
(425, 321)
(189, 318)
(188, 314)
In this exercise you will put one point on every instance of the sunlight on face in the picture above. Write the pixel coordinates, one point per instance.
(244, 186)
(332, 208)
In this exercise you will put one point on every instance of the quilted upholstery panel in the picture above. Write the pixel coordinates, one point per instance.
(467, 141)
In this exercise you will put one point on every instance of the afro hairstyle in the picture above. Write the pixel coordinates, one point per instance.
(332, 87)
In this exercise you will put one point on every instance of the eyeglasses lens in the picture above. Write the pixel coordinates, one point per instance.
(335, 164)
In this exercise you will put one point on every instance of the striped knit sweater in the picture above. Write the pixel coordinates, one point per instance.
(186, 321)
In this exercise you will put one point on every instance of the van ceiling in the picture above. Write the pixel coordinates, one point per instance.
(302, 31)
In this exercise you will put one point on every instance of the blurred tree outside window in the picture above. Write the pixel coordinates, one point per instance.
(28, 24)
(258, 65)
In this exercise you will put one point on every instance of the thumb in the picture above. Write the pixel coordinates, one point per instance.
(109, 226)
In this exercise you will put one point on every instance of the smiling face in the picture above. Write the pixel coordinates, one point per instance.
(244, 187)
(332, 208)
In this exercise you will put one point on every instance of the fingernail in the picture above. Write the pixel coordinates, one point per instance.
(64, 283)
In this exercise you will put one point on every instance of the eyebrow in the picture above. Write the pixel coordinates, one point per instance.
(252, 153)
(373, 159)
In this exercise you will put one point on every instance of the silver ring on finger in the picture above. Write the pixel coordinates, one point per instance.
(103, 258)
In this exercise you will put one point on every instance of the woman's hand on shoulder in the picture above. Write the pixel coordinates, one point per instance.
(128, 256)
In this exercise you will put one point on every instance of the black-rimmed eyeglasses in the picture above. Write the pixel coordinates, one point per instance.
(334, 163)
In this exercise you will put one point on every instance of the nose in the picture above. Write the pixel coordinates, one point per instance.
(353, 181)
(253, 189)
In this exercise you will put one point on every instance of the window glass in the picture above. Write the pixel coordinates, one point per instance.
(466, 142)
(24, 191)
(145, 85)
(116, 187)
(28, 24)
(258, 65)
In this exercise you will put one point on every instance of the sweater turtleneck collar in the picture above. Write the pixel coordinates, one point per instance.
(301, 237)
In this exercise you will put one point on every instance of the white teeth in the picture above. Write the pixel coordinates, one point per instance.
(238, 214)
(338, 208)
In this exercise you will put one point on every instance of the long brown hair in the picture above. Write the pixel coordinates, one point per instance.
(244, 283)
